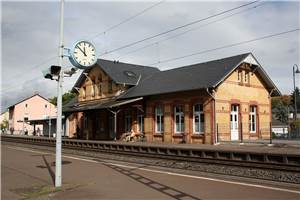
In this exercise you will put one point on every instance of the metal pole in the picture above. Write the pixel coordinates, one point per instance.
(217, 133)
(59, 102)
(295, 97)
(241, 132)
(270, 127)
(49, 123)
(115, 125)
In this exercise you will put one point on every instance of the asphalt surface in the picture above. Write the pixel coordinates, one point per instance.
(25, 173)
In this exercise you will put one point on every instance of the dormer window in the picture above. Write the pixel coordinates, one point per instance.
(130, 74)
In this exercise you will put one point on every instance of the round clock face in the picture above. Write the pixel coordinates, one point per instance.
(84, 54)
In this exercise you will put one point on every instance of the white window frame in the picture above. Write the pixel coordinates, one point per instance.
(140, 119)
(252, 115)
(199, 114)
(180, 115)
(159, 115)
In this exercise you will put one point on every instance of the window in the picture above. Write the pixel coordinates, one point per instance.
(179, 119)
(240, 76)
(198, 119)
(99, 89)
(93, 87)
(45, 105)
(110, 86)
(100, 85)
(159, 119)
(140, 119)
(246, 77)
(85, 121)
(128, 122)
(83, 92)
(252, 119)
(26, 105)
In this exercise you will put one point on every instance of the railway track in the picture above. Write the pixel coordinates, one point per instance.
(281, 167)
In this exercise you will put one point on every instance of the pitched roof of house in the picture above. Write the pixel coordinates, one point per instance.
(198, 76)
(121, 73)
(26, 98)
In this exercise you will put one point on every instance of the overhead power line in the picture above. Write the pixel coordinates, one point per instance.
(32, 68)
(108, 29)
(177, 28)
(127, 19)
(226, 46)
(192, 29)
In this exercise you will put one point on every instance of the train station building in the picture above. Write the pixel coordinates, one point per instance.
(221, 100)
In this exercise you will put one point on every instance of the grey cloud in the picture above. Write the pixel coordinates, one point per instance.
(30, 34)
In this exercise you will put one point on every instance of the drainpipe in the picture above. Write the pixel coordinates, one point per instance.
(215, 141)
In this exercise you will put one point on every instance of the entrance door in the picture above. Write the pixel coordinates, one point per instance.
(234, 122)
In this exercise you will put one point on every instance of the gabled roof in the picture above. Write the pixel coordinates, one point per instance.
(24, 99)
(198, 76)
(121, 73)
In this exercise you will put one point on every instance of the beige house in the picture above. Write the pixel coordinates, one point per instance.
(29, 109)
(227, 99)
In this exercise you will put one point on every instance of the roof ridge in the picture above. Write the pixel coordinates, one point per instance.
(134, 64)
(191, 65)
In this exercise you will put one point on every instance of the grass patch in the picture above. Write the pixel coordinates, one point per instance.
(30, 193)
(40, 192)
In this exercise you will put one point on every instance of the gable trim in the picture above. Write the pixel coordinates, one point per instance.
(251, 60)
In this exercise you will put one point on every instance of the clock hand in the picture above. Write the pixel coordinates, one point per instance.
(82, 50)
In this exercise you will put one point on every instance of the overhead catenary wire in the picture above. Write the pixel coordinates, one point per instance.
(126, 20)
(108, 29)
(192, 29)
(33, 67)
(177, 28)
(226, 46)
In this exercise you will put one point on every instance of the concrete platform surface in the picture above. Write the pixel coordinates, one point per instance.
(29, 174)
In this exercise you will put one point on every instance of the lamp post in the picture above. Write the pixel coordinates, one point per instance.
(295, 71)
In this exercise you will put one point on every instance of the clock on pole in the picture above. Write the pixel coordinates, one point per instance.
(83, 54)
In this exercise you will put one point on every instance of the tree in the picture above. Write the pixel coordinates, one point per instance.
(65, 98)
(280, 107)
(284, 100)
(297, 96)
(281, 113)
(4, 125)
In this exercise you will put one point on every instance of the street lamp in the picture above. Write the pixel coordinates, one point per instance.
(295, 71)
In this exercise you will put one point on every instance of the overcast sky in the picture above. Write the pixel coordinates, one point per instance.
(30, 37)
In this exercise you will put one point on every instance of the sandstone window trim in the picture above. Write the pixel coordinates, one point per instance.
(198, 119)
(159, 119)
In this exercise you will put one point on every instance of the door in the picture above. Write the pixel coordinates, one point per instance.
(234, 122)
